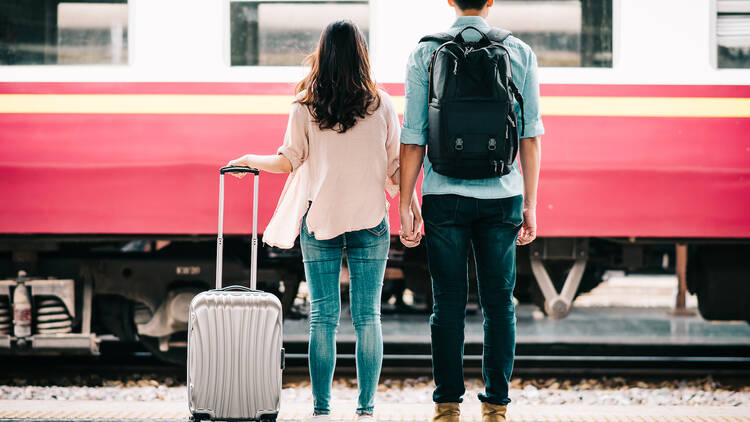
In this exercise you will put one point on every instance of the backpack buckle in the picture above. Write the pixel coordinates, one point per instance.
(492, 145)
(459, 144)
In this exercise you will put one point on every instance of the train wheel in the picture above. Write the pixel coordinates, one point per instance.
(114, 314)
(417, 275)
(720, 277)
(291, 289)
(176, 352)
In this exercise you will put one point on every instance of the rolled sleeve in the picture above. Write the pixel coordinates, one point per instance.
(391, 145)
(532, 110)
(295, 145)
(414, 128)
(413, 136)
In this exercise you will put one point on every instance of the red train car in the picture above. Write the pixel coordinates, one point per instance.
(109, 159)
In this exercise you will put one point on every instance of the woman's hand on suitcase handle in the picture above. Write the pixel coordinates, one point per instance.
(275, 163)
(243, 161)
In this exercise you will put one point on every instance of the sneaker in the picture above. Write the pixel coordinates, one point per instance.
(365, 418)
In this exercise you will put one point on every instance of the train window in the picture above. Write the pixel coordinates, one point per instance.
(733, 33)
(567, 33)
(283, 33)
(35, 32)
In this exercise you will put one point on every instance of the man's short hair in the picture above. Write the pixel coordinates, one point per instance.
(470, 4)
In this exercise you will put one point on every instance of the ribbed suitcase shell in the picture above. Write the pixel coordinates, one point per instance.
(234, 355)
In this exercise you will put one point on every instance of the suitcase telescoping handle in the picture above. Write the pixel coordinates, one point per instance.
(220, 238)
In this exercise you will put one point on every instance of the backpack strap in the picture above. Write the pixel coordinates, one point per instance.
(519, 98)
(441, 37)
(498, 35)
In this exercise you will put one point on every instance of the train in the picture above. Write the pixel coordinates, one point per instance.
(116, 115)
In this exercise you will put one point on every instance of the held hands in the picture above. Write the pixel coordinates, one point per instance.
(243, 161)
(528, 229)
(411, 223)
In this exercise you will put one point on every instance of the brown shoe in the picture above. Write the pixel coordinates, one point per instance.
(493, 412)
(446, 412)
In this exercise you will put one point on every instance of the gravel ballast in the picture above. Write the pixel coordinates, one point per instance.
(547, 391)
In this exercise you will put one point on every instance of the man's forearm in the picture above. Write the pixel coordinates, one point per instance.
(410, 157)
(530, 152)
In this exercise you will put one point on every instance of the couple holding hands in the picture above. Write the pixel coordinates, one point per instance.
(344, 147)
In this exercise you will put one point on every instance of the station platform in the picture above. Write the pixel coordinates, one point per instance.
(37, 410)
(591, 325)
(624, 323)
(623, 310)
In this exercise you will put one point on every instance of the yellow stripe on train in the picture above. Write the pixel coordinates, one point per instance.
(280, 104)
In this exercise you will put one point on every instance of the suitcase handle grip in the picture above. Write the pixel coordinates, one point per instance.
(235, 287)
(238, 169)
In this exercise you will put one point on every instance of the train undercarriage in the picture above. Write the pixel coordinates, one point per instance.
(59, 295)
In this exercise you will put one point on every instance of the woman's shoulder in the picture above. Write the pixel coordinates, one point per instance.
(386, 102)
(384, 95)
(298, 109)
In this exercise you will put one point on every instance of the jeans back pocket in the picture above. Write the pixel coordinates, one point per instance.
(381, 228)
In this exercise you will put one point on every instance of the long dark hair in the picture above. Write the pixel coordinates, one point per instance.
(339, 88)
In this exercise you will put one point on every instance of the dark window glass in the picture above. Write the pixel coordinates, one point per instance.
(284, 33)
(568, 33)
(733, 33)
(63, 32)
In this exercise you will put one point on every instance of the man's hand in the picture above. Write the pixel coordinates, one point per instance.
(411, 223)
(411, 157)
(530, 151)
(528, 229)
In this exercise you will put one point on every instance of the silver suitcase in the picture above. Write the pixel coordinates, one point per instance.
(235, 355)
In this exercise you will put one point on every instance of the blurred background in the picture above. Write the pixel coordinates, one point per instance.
(115, 115)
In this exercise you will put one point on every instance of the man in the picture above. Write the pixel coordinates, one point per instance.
(490, 216)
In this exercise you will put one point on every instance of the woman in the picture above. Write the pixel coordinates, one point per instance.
(341, 147)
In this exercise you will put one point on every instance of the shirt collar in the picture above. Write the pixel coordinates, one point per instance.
(463, 21)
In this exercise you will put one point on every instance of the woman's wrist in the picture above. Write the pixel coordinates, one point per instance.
(250, 160)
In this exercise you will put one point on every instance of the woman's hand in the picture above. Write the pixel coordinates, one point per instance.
(243, 161)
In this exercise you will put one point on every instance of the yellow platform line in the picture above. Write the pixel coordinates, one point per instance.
(281, 104)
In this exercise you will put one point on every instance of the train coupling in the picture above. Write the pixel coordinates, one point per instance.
(38, 316)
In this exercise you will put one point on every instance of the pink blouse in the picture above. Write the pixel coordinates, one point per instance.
(345, 175)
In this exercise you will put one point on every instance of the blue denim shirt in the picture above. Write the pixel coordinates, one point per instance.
(414, 129)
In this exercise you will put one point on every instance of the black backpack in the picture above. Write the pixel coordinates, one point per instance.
(471, 121)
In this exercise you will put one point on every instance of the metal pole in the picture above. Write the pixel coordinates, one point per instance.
(220, 238)
(254, 255)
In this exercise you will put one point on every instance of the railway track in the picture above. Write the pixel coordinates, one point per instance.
(413, 359)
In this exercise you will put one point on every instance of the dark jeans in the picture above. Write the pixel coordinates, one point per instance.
(453, 225)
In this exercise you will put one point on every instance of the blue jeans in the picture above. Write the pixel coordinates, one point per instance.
(366, 253)
(454, 225)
